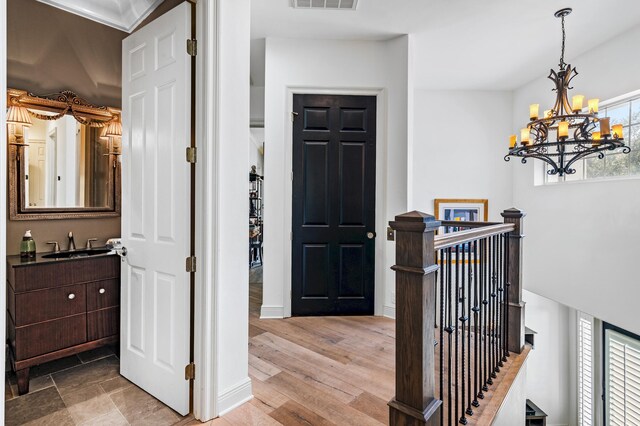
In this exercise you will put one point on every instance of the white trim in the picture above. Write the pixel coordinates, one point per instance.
(389, 312)
(206, 319)
(272, 312)
(3, 181)
(235, 396)
(119, 23)
(381, 185)
(585, 355)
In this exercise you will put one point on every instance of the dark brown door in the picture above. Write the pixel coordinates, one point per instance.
(334, 167)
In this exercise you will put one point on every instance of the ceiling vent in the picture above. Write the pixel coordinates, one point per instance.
(325, 4)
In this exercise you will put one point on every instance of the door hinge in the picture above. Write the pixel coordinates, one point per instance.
(191, 264)
(192, 47)
(293, 116)
(291, 235)
(192, 154)
(190, 371)
(292, 176)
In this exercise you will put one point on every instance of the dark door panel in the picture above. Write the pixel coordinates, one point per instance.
(334, 156)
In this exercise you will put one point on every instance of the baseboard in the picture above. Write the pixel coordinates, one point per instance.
(234, 397)
(389, 312)
(272, 312)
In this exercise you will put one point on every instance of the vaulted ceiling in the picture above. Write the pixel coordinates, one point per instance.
(460, 44)
(124, 15)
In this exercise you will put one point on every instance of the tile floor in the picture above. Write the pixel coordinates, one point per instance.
(84, 389)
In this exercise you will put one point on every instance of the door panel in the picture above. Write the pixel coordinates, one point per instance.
(155, 208)
(334, 149)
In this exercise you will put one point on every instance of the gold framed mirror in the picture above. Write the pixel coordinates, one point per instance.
(63, 157)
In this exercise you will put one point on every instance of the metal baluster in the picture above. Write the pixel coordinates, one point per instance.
(449, 330)
(485, 312)
(457, 306)
(490, 373)
(494, 298)
(506, 298)
(500, 300)
(469, 411)
(476, 324)
(442, 293)
(463, 321)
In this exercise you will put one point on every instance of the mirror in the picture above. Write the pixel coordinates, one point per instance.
(64, 157)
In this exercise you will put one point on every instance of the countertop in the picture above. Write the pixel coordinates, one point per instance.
(15, 261)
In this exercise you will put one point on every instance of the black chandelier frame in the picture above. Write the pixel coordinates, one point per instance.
(565, 151)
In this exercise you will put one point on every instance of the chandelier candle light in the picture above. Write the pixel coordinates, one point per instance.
(578, 133)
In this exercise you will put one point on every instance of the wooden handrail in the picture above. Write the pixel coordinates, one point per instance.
(460, 237)
(467, 224)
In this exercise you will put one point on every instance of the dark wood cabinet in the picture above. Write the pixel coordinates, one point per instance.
(57, 308)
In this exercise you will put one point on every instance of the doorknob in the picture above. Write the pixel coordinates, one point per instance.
(371, 235)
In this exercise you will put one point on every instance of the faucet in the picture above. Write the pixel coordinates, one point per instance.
(72, 243)
(56, 246)
(89, 241)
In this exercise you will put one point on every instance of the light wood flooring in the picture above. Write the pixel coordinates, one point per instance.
(328, 371)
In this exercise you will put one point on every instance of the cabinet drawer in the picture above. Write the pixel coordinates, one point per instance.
(45, 337)
(103, 294)
(73, 271)
(53, 303)
(103, 323)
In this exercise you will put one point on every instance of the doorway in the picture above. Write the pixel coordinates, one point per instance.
(333, 204)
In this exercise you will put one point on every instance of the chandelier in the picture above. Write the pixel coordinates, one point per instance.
(567, 132)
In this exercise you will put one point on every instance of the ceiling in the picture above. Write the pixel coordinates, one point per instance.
(124, 15)
(459, 44)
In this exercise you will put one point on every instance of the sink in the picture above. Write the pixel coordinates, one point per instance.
(70, 254)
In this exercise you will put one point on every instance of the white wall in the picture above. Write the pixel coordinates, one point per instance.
(513, 409)
(582, 238)
(233, 385)
(256, 139)
(457, 148)
(257, 106)
(333, 65)
(550, 368)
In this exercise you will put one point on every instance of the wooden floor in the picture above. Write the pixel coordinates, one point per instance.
(327, 371)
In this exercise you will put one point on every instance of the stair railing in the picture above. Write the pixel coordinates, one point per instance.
(459, 312)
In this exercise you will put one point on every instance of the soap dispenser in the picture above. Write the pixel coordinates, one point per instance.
(27, 246)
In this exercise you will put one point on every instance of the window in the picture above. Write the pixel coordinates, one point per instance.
(627, 113)
(622, 377)
(585, 369)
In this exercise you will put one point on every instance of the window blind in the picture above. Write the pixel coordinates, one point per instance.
(622, 379)
(585, 369)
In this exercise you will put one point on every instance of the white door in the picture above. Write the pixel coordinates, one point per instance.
(155, 312)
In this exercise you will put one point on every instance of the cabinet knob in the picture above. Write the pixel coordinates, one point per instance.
(71, 296)
(101, 291)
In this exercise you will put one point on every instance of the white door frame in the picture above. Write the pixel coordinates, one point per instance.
(205, 392)
(3, 181)
(381, 186)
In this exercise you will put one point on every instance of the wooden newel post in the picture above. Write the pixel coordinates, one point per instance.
(514, 280)
(415, 402)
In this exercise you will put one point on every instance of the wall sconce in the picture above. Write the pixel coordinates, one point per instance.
(19, 116)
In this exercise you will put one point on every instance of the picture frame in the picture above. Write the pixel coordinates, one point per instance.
(463, 209)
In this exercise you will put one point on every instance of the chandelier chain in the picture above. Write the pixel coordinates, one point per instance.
(564, 37)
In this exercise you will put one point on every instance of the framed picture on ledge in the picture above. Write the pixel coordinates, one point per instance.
(463, 210)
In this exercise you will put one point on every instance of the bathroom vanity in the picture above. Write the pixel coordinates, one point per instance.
(58, 306)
